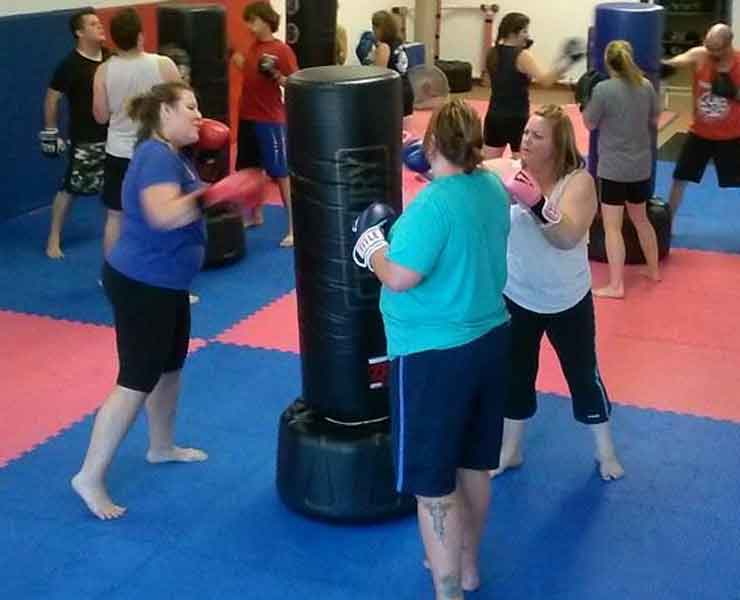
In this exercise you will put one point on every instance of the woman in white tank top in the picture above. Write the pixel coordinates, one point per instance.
(549, 283)
(129, 73)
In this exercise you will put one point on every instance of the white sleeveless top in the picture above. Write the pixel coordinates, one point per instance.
(543, 278)
(125, 78)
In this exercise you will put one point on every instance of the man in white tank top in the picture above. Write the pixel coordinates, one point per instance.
(132, 71)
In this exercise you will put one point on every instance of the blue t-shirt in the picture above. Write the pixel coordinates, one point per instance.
(455, 235)
(163, 258)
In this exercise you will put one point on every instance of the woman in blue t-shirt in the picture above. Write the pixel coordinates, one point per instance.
(448, 337)
(146, 276)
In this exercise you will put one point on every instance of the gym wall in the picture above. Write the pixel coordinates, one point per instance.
(38, 40)
(355, 17)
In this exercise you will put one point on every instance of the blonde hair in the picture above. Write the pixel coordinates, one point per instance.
(619, 57)
(455, 132)
(565, 152)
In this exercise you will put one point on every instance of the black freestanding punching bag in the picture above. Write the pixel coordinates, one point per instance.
(344, 152)
(311, 31)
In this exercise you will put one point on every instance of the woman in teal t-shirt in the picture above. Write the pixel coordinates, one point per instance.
(443, 273)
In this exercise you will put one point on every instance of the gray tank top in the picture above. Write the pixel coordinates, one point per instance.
(126, 77)
(543, 278)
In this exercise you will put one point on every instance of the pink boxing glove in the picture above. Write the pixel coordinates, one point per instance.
(522, 188)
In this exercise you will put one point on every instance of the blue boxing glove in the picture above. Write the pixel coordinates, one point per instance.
(370, 230)
(415, 158)
(366, 48)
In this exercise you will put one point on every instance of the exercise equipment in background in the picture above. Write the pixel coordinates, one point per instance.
(311, 31)
(200, 31)
(659, 215)
(430, 85)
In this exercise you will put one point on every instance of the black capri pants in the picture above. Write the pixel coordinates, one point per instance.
(572, 334)
(152, 329)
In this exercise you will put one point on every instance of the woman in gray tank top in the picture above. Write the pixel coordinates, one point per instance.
(625, 110)
(548, 290)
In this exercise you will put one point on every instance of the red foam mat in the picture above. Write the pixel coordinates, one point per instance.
(672, 346)
(274, 327)
(53, 373)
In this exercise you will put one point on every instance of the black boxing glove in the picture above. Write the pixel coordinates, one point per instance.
(52, 145)
(370, 230)
(722, 85)
(267, 65)
(585, 86)
(666, 70)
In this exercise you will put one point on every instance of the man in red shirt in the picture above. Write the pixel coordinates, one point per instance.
(715, 130)
(265, 67)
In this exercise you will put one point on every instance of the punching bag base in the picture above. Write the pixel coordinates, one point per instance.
(336, 472)
(659, 215)
(225, 236)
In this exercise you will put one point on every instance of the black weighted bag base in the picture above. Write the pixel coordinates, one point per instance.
(225, 232)
(459, 74)
(337, 472)
(659, 214)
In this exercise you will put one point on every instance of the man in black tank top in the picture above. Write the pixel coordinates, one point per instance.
(73, 78)
(511, 68)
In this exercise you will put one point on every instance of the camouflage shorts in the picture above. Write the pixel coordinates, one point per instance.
(85, 171)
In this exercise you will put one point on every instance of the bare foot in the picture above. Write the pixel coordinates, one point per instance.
(253, 222)
(54, 251)
(287, 241)
(470, 576)
(610, 468)
(176, 454)
(512, 462)
(609, 292)
(653, 275)
(96, 498)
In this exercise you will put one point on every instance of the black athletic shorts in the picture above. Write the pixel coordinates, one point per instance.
(616, 193)
(152, 329)
(697, 152)
(447, 412)
(115, 171)
(500, 131)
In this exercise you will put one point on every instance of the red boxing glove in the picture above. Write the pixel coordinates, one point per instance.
(212, 135)
(523, 188)
(244, 187)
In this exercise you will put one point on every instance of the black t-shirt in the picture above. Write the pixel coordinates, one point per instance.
(73, 77)
(509, 86)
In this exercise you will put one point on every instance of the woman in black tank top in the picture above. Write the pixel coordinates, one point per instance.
(391, 53)
(511, 67)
